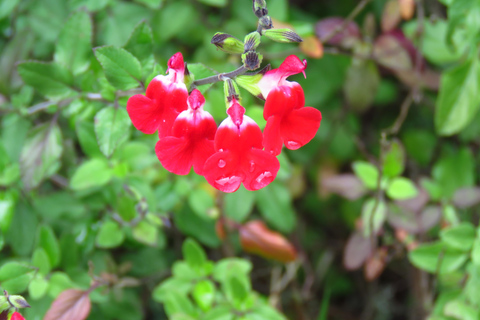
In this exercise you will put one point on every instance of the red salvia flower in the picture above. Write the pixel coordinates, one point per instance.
(239, 156)
(165, 98)
(289, 122)
(17, 316)
(191, 142)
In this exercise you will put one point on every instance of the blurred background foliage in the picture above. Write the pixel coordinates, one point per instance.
(89, 217)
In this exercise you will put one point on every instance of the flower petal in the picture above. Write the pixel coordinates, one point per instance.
(272, 141)
(175, 154)
(222, 172)
(299, 127)
(202, 151)
(144, 113)
(261, 168)
(280, 101)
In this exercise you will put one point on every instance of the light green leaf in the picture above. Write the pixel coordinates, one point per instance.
(146, 233)
(200, 71)
(276, 207)
(374, 213)
(40, 157)
(231, 265)
(110, 235)
(458, 101)
(366, 172)
(92, 173)
(121, 68)
(38, 287)
(7, 6)
(176, 303)
(394, 160)
(214, 3)
(140, 43)
(112, 127)
(152, 4)
(236, 290)
(51, 79)
(88, 140)
(201, 202)
(21, 234)
(74, 45)
(459, 237)
(401, 188)
(12, 270)
(193, 254)
(204, 294)
(436, 256)
(48, 241)
(239, 204)
(41, 261)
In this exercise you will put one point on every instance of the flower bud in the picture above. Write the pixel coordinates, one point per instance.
(282, 35)
(260, 8)
(252, 60)
(250, 83)
(252, 40)
(231, 91)
(266, 22)
(18, 302)
(227, 43)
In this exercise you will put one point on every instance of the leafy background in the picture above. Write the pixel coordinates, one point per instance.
(382, 206)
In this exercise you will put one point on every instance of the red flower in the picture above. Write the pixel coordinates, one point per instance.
(289, 122)
(17, 316)
(191, 142)
(239, 156)
(165, 98)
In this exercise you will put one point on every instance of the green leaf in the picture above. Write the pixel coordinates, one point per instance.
(220, 312)
(214, 3)
(401, 188)
(6, 7)
(88, 140)
(12, 270)
(146, 233)
(459, 237)
(239, 204)
(193, 225)
(163, 290)
(476, 251)
(48, 241)
(59, 282)
(140, 43)
(112, 127)
(21, 234)
(366, 172)
(110, 235)
(38, 287)
(236, 290)
(121, 68)
(436, 256)
(458, 101)
(176, 303)
(204, 294)
(201, 203)
(40, 157)
(152, 4)
(374, 213)
(173, 18)
(74, 45)
(51, 79)
(276, 207)
(41, 261)
(193, 254)
(461, 310)
(394, 160)
(200, 71)
(92, 173)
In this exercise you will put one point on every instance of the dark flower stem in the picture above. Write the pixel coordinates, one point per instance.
(220, 77)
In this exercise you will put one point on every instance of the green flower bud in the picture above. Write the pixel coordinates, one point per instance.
(266, 22)
(282, 35)
(4, 304)
(260, 8)
(231, 91)
(18, 302)
(227, 43)
(252, 60)
(250, 83)
(252, 40)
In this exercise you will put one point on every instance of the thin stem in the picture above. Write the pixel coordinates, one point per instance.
(220, 77)
(345, 23)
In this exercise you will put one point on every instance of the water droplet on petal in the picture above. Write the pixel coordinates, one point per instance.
(252, 166)
(292, 145)
(220, 150)
(263, 177)
(229, 184)
(221, 163)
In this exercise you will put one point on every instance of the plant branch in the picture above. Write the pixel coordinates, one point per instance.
(220, 77)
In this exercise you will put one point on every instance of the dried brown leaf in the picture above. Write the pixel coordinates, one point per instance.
(346, 185)
(357, 250)
(71, 304)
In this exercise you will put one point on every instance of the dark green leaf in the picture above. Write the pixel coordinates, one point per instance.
(110, 235)
(121, 68)
(193, 254)
(112, 127)
(48, 241)
(239, 204)
(276, 207)
(140, 43)
(92, 173)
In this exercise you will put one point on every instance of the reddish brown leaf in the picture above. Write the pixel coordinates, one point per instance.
(390, 53)
(407, 8)
(71, 304)
(415, 204)
(357, 250)
(466, 197)
(375, 264)
(256, 238)
(346, 38)
(346, 185)
(391, 16)
(312, 47)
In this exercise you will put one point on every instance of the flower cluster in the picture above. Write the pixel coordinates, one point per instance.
(237, 151)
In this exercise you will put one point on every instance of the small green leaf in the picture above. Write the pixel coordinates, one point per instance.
(214, 3)
(40, 157)
(374, 213)
(146, 233)
(12, 270)
(239, 204)
(394, 160)
(92, 173)
(476, 251)
(51, 79)
(460, 236)
(193, 254)
(74, 46)
(236, 290)
(436, 256)
(38, 287)
(201, 203)
(41, 261)
(112, 127)
(204, 294)
(121, 68)
(88, 140)
(140, 43)
(276, 207)
(200, 71)
(401, 188)
(176, 303)
(152, 4)
(110, 235)
(6, 7)
(48, 241)
(366, 172)
(458, 100)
